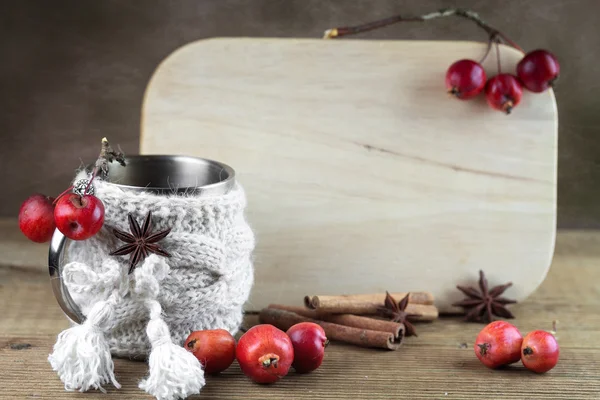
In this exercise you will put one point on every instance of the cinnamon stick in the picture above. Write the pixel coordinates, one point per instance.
(421, 312)
(361, 337)
(420, 304)
(355, 321)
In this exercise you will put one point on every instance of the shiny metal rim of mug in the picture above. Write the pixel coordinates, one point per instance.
(169, 163)
(59, 241)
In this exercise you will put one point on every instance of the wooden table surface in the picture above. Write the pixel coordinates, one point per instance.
(439, 364)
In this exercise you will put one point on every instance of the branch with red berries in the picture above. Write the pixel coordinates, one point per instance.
(465, 79)
(76, 212)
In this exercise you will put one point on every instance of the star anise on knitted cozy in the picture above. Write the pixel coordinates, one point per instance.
(395, 311)
(482, 305)
(140, 242)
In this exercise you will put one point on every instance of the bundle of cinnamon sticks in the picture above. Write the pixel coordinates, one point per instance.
(354, 319)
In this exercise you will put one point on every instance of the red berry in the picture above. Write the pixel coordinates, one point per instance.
(539, 351)
(36, 218)
(538, 70)
(309, 341)
(265, 353)
(79, 217)
(503, 92)
(498, 344)
(215, 349)
(465, 79)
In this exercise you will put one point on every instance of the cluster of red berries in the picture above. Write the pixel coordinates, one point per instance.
(265, 353)
(78, 215)
(501, 343)
(537, 71)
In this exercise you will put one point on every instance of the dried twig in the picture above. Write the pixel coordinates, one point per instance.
(107, 155)
(492, 32)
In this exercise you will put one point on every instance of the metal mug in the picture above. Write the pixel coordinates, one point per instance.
(159, 174)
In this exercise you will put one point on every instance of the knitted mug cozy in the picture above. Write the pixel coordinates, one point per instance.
(203, 285)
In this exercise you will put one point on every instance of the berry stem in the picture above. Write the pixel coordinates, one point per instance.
(498, 56)
(62, 194)
(94, 173)
(510, 42)
(369, 26)
(554, 330)
(447, 12)
(487, 51)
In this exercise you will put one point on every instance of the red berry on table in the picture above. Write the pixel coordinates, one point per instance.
(465, 79)
(538, 70)
(498, 344)
(215, 349)
(503, 92)
(79, 217)
(265, 353)
(309, 341)
(539, 351)
(36, 218)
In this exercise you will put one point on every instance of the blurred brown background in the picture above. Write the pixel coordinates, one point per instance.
(72, 71)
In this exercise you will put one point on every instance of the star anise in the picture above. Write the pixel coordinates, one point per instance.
(140, 242)
(396, 312)
(483, 305)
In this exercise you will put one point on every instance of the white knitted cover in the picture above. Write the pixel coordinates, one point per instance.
(203, 285)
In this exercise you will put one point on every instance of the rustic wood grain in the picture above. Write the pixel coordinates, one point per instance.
(359, 169)
(439, 364)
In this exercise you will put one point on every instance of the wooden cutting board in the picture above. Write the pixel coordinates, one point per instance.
(362, 174)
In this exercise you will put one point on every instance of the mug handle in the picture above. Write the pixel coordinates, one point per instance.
(55, 258)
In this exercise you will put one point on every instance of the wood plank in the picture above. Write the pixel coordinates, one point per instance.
(438, 364)
(416, 371)
(359, 170)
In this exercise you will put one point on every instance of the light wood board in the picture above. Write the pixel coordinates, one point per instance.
(362, 174)
(438, 364)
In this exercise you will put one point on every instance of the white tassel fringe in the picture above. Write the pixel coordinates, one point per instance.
(81, 355)
(174, 372)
